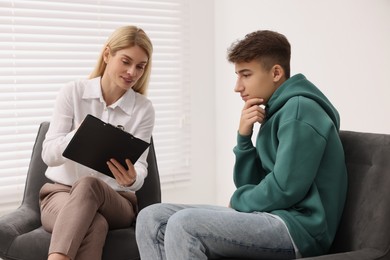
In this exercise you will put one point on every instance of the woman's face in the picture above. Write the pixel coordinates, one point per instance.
(125, 68)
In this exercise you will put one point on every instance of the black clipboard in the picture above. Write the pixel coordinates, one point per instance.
(96, 142)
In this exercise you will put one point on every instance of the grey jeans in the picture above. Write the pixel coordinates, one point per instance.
(173, 231)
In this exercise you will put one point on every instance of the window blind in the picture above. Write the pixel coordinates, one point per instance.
(45, 44)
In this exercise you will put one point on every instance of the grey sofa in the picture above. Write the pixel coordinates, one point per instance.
(22, 236)
(364, 231)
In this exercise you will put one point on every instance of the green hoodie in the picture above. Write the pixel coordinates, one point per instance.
(297, 169)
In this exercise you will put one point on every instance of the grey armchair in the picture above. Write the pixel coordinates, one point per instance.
(22, 236)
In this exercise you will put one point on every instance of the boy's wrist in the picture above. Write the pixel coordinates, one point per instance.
(244, 141)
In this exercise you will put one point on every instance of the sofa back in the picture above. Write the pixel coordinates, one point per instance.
(366, 218)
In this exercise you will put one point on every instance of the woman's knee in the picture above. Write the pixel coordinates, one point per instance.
(87, 186)
(87, 181)
(94, 240)
(99, 225)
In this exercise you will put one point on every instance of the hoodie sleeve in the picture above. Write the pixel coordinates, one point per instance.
(247, 168)
(298, 157)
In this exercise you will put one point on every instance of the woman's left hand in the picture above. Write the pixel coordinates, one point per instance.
(124, 177)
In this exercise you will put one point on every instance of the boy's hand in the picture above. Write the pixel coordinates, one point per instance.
(251, 113)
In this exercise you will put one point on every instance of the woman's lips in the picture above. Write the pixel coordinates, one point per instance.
(128, 80)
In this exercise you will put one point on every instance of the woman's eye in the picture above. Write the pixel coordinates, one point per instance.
(125, 62)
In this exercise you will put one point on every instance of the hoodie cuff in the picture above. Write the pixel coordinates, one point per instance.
(244, 142)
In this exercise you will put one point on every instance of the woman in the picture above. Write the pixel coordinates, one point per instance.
(82, 204)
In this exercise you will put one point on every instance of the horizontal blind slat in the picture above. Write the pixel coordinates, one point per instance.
(45, 44)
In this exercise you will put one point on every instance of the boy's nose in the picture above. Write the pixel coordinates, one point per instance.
(239, 87)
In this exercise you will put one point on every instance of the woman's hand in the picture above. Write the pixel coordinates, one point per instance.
(124, 177)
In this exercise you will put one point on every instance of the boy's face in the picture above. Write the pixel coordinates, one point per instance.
(253, 81)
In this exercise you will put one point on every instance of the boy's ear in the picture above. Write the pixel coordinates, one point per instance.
(278, 72)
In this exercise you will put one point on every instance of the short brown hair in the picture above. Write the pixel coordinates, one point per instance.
(266, 46)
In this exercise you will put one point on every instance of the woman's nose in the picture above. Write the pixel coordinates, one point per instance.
(132, 70)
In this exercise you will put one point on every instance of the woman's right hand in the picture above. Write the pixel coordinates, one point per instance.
(124, 177)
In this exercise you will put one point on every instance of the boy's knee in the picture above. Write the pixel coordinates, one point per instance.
(148, 222)
(149, 213)
(182, 221)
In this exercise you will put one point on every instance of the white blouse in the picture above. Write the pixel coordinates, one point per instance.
(74, 101)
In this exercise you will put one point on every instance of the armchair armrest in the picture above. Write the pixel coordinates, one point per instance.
(19, 221)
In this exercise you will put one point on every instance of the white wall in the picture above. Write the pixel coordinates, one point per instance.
(202, 187)
(342, 46)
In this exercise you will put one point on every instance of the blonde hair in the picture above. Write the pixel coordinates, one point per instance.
(125, 37)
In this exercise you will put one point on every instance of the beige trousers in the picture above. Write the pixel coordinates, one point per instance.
(80, 216)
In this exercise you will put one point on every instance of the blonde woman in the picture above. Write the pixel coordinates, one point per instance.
(81, 205)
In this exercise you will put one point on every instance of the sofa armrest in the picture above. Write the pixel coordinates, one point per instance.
(19, 221)
(363, 254)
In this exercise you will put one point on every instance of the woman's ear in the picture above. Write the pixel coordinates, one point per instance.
(278, 72)
(106, 54)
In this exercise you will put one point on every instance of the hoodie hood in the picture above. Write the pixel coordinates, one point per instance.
(298, 85)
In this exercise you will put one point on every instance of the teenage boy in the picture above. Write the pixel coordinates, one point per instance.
(291, 184)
